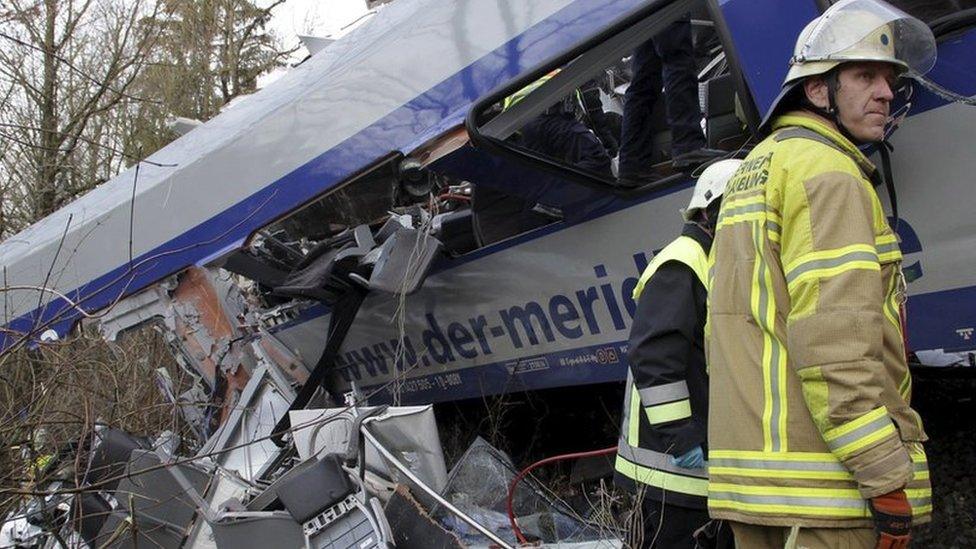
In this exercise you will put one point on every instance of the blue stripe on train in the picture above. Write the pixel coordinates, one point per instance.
(400, 129)
(936, 320)
(580, 366)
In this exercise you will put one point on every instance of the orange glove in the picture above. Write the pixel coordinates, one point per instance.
(892, 520)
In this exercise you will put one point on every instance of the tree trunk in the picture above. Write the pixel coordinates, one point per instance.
(48, 166)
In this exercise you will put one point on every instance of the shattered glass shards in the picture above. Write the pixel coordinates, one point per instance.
(478, 485)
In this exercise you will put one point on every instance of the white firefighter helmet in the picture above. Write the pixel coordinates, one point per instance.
(710, 186)
(859, 30)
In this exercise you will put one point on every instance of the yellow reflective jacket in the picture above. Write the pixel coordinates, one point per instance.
(511, 100)
(809, 398)
(524, 92)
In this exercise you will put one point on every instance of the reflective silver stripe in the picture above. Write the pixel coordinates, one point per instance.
(829, 263)
(888, 248)
(748, 208)
(777, 404)
(847, 503)
(625, 421)
(788, 465)
(859, 433)
(806, 133)
(655, 460)
(919, 502)
(660, 394)
(800, 132)
(773, 226)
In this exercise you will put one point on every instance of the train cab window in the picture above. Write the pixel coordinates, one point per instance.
(558, 126)
(633, 110)
(568, 118)
(381, 230)
(671, 70)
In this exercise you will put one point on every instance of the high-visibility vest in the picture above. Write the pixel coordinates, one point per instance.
(656, 405)
(524, 92)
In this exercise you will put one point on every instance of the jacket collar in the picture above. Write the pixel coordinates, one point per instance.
(697, 234)
(820, 125)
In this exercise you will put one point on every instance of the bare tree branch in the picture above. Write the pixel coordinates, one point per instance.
(81, 73)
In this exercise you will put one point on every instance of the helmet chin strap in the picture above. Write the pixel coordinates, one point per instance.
(884, 176)
(884, 149)
(833, 111)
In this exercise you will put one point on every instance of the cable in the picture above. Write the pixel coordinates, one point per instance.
(424, 231)
(945, 93)
(518, 478)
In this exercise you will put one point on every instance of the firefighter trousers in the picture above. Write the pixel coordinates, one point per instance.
(666, 526)
(756, 536)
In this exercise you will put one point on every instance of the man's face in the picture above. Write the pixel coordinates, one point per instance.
(864, 94)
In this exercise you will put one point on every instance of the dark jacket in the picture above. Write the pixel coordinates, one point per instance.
(666, 353)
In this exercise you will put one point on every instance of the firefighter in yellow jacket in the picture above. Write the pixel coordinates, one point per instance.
(812, 442)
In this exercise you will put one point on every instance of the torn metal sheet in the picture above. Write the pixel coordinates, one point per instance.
(408, 431)
(413, 527)
(242, 443)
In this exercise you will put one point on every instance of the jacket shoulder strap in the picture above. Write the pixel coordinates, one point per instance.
(797, 132)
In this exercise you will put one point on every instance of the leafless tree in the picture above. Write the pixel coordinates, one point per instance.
(87, 85)
(67, 64)
(85, 88)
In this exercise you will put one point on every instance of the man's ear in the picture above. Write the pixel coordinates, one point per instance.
(816, 91)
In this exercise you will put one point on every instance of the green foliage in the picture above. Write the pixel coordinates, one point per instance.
(208, 53)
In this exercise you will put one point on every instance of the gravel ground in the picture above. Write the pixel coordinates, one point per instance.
(948, 409)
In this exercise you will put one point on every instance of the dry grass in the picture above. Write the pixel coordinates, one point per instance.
(52, 397)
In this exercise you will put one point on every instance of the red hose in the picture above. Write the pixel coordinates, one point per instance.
(511, 488)
(452, 196)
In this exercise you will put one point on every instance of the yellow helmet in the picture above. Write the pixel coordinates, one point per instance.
(859, 30)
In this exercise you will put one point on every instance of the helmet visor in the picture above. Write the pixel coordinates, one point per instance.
(870, 30)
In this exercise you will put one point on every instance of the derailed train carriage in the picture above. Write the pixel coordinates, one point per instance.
(324, 236)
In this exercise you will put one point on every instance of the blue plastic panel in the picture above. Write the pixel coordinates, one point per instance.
(764, 32)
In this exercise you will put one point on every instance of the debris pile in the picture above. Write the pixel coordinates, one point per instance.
(353, 477)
